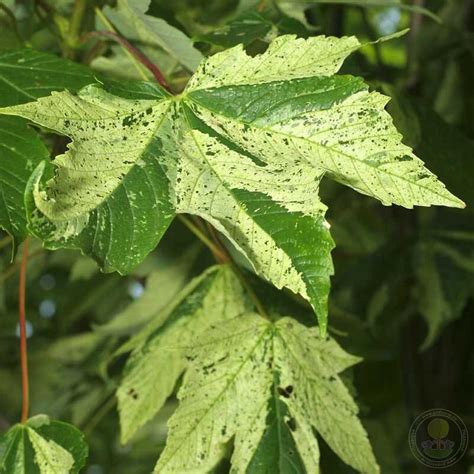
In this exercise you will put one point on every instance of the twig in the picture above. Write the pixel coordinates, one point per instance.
(23, 346)
(12, 19)
(228, 258)
(202, 237)
(135, 51)
(138, 65)
(99, 414)
(75, 26)
(11, 270)
(5, 241)
(372, 36)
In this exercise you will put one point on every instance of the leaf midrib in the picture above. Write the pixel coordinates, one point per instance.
(230, 382)
(331, 149)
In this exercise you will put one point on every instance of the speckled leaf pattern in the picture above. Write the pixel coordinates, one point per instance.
(230, 391)
(245, 147)
(110, 194)
(26, 75)
(272, 214)
(332, 124)
(158, 358)
(286, 58)
(49, 456)
(42, 446)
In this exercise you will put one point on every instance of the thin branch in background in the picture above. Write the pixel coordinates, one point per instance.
(25, 402)
(97, 417)
(7, 240)
(372, 36)
(12, 20)
(228, 259)
(136, 63)
(75, 27)
(415, 24)
(135, 51)
(202, 237)
(12, 269)
(223, 251)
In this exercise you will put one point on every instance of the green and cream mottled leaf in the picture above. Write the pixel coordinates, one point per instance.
(272, 214)
(26, 75)
(108, 194)
(42, 446)
(286, 57)
(49, 456)
(253, 369)
(332, 124)
(158, 358)
(310, 365)
(131, 20)
(244, 147)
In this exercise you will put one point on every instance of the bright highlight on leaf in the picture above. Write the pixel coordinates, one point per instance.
(42, 446)
(245, 147)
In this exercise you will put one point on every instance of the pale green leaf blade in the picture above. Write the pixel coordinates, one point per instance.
(332, 124)
(49, 456)
(225, 390)
(272, 214)
(286, 57)
(109, 194)
(20, 152)
(254, 382)
(319, 396)
(131, 20)
(159, 359)
(162, 286)
(42, 446)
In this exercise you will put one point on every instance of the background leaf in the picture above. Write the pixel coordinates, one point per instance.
(134, 24)
(42, 446)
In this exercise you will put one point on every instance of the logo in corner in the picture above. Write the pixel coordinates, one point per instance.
(438, 438)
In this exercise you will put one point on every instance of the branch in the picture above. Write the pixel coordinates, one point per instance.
(23, 347)
(158, 75)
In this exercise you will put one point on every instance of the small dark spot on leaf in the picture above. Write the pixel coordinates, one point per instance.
(291, 422)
